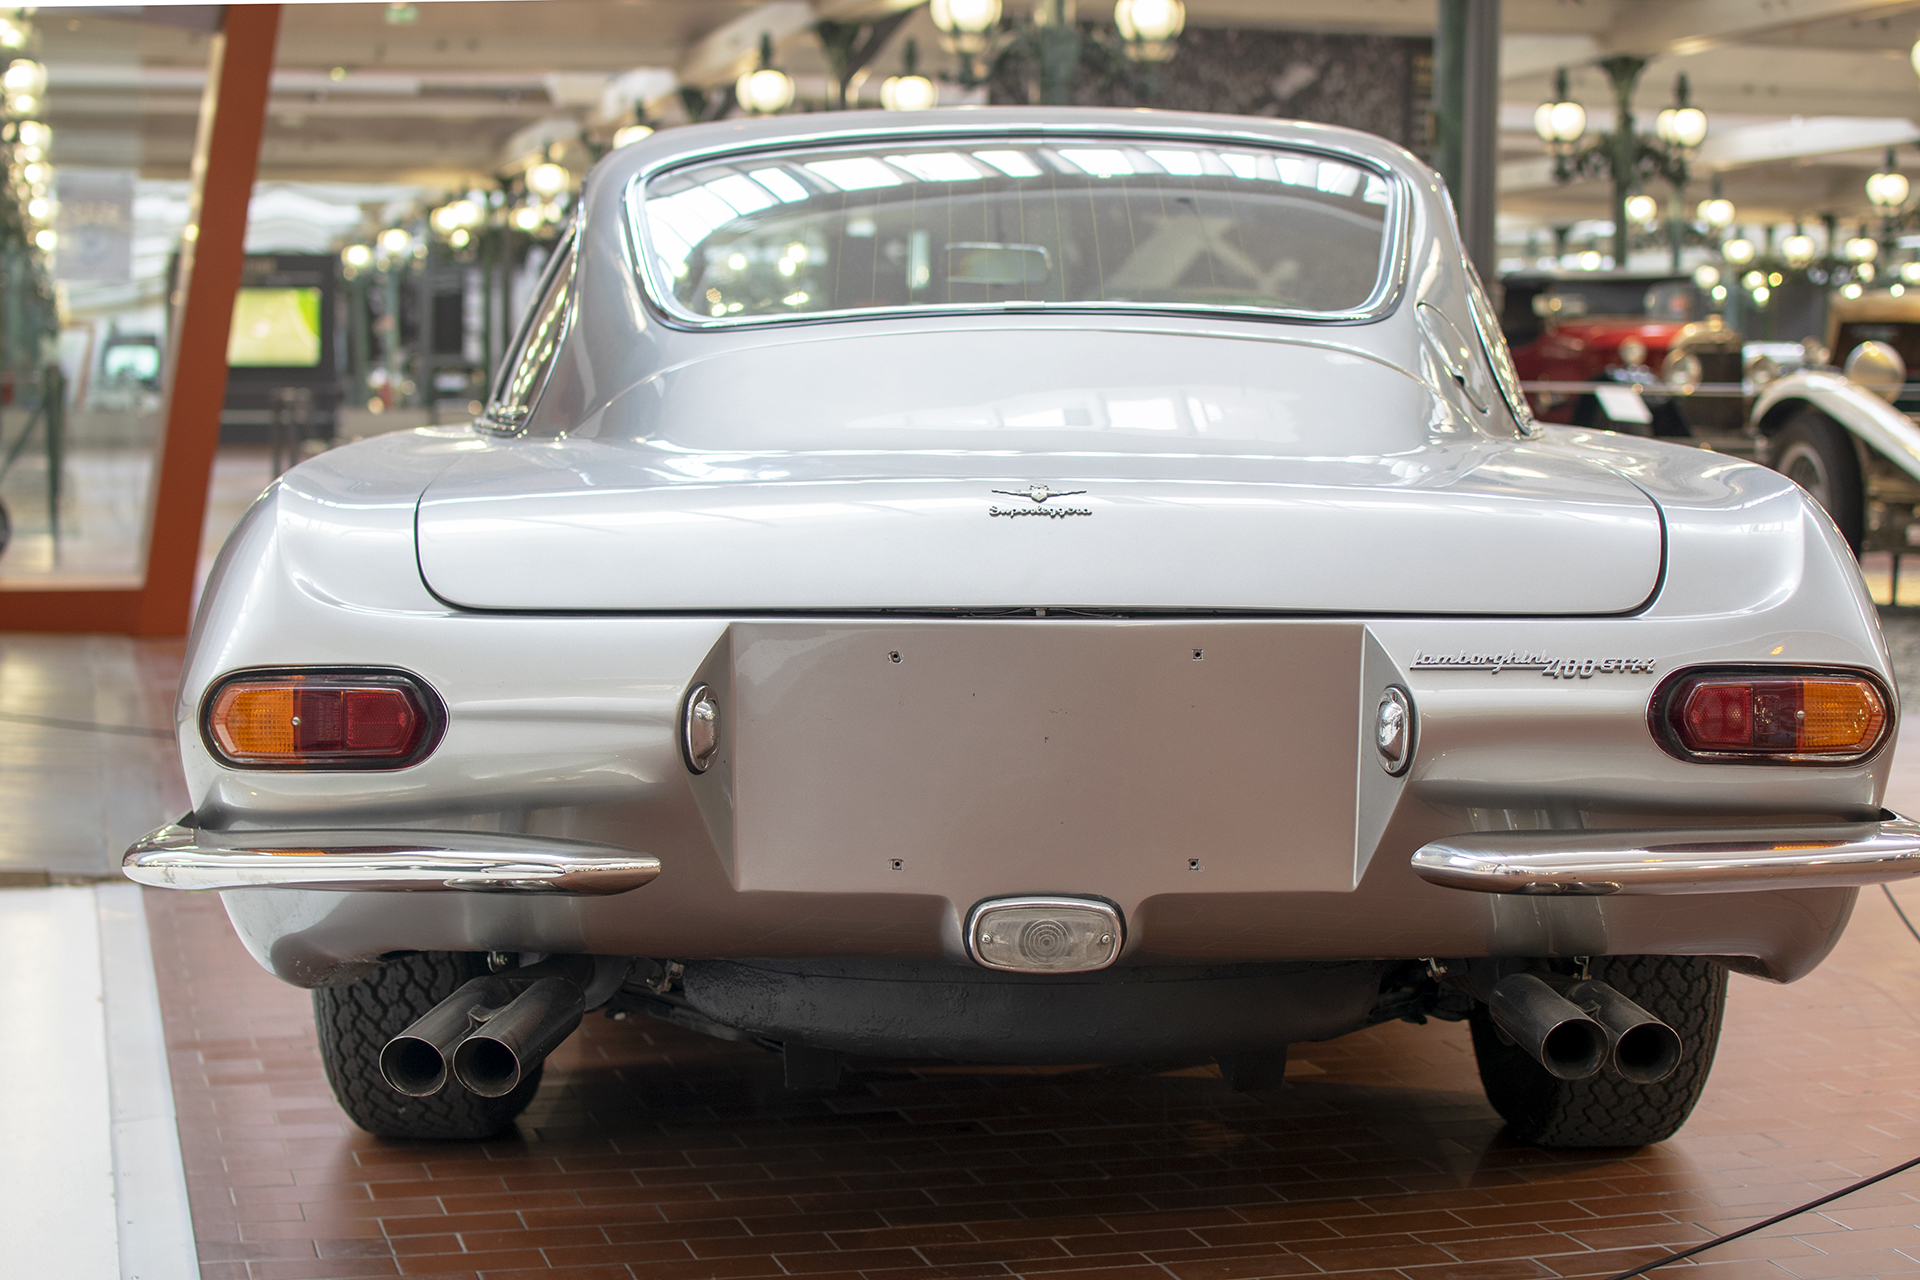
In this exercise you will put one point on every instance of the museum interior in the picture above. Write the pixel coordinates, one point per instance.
(559, 459)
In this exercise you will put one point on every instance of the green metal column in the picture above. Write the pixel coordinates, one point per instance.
(1624, 72)
(1450, 94)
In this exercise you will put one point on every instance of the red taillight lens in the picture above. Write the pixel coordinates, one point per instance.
(321, 720)
(1824, 717)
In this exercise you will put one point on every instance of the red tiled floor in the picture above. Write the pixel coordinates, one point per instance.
(654, 1153)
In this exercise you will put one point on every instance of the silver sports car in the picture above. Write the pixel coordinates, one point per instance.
(1028, 586)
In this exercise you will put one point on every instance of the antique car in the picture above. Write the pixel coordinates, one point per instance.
(1587, 330)
(1851, 435)
(1028, 586)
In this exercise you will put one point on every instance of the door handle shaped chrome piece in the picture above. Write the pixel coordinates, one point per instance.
(1675, 860)
(180, 857)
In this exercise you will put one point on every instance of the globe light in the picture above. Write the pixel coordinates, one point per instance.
(1761, 294)
(1887, 190)
(527, 217)
(32, 133)
(1642, 208)
(1851, 292)
(1560, 125)
(460, 238)
(396, 240)
(548, 180)
(1590, 260)
(630, 134)
(454, 216)
(1150, 27)
(356, 255)
(47, 240)
(13, 33)
(1753, 279)
(908, 93)
(1683, 128)
(1863, 249)
(964, 17)
(1738, 251)
(1797, 249)
(1910, 272)
(1716, 213)
(1706, 275)
(764, 92)
(24, 76)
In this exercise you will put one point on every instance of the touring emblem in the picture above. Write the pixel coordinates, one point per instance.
(1521, 660)
(1038, 495)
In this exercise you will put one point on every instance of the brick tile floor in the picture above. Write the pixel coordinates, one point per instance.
(657, 1154)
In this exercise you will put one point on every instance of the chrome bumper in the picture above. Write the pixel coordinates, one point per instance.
(1691, 860)
(176, 857)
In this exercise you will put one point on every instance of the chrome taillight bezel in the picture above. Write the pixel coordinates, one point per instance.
(1661, 705)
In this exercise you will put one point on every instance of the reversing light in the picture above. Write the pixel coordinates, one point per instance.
(321, 719)
(1044, 935)
(1769, 715)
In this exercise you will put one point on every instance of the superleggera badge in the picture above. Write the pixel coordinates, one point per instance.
(1038, 494)
(1531, 660)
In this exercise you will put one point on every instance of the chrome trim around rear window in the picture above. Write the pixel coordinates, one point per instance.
(1384, 299)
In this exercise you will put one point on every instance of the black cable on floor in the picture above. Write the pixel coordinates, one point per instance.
(1895, 903)
(1717, 1241)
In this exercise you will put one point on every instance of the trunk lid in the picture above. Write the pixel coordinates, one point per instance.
(988, 470)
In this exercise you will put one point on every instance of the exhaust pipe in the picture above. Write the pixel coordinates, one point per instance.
(512, 1041)
(415, 1061)
(1645, 1049)
(1557, 1032)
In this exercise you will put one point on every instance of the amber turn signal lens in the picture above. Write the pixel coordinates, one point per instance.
(306, 720)
(1772, 716)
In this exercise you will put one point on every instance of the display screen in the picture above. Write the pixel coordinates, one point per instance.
(275, 329)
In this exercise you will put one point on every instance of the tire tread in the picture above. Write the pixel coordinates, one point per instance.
(1686, 992)
(355, 1021)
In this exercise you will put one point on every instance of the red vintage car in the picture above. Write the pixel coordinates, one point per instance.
(1600, 327)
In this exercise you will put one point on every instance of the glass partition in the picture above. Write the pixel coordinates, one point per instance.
(98, 139)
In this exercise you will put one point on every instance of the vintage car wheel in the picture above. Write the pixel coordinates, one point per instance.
(355, 1020)
(1816, 454)
(1687, 992)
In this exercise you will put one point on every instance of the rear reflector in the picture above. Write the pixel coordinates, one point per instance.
(321, 719)
(1768, 715)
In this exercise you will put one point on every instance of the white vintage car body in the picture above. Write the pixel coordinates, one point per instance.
(1156, 691)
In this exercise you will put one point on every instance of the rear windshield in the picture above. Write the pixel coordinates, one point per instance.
(988, 223)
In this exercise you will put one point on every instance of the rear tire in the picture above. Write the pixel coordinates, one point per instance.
(356, 1020)
(1687, 993)
(1817, 454)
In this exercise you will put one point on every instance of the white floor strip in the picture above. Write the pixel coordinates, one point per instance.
(91, 1186)
(150, 1186)
(56, 1146)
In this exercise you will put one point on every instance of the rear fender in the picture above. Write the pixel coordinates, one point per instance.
(1866, 417)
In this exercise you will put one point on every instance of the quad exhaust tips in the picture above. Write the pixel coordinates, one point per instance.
(1644, 1049)
(1574, 1035)
(484, 1036)
(1556, 1031)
